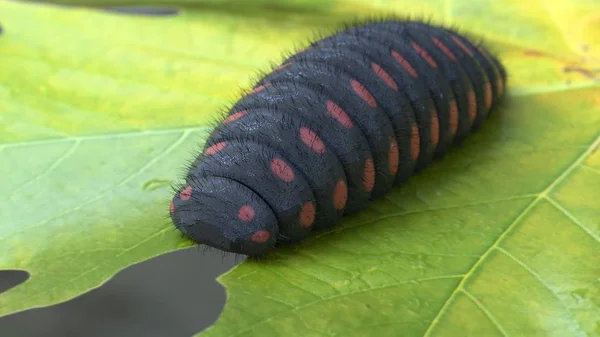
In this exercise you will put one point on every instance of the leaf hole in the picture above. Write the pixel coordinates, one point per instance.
(12, 278)
(174, 294)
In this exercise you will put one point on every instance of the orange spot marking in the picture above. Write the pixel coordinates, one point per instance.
(500, 83)
(445, 49)
(424, 55)
(415, 142)
(260, 236)
(368, 176)
(171, 207)
(472, 101)
(186, 194)
(339, 114)
(340, 195)
(259, 88)
(215, 148)
(283, 66)
(282, 170)
(363, 92)
(246, 213)
(312, 140)
(462, 46)
(384, 76)
(307, 214)
(435, 127)
(488, 95)
(404, 63)
(235, 116)
(393, 157)
(453, 117)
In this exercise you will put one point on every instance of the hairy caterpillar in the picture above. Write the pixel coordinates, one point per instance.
(334, 126)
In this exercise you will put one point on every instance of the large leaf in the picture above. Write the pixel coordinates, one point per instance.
(96, 123)
(99, 111)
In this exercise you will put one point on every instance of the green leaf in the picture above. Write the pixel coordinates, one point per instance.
(99, 111)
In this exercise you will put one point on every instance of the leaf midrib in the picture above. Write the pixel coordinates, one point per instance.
(542, 195)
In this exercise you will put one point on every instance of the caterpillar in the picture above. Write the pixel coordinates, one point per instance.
(331, 128)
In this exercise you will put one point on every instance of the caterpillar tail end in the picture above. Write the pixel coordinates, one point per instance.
(224, 214)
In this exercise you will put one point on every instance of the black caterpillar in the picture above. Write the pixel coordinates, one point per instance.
(337, 124)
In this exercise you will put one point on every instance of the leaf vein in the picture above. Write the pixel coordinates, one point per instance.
(536, 276)
(266, 320)
(486, 312)
(572, 218)
(50, 168)
(442, 208)
(587, 167)
(106, 191)
(511, 227)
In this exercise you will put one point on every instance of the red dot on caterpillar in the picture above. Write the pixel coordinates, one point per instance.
(393, 157)
(260, 236)
(462, 45)
(340, 195)
(404, 63)
(435, 127)
(384, 76)
(215, 148)
(415, 142)
(499, 80)
(246, 213)
(186, 194)
(339, 114)
(307, 214)
(369, 175)
(259, 88)
(488, 95)
(425, 55)
(312, 140)
(282, 170)
(235, 116)
(472, 102)
(444, 49)
(453, 117)
(283, 66)
(363, 93)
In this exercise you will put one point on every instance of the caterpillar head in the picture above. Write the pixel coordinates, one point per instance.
(226, 215)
